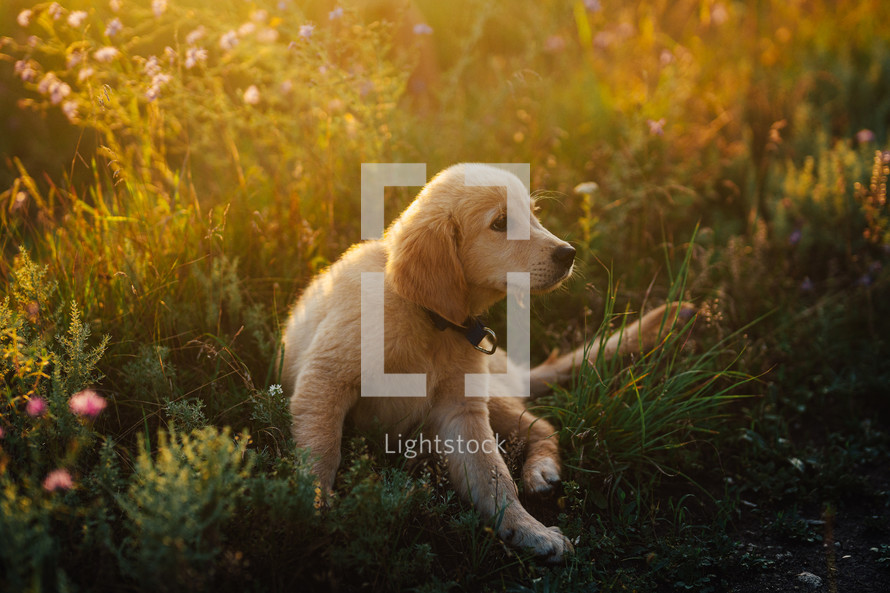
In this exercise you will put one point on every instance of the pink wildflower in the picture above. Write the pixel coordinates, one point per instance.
(656, 128)
(865, 136)
(423, 29)
(58, 479)
(87, 403)
(36, 407)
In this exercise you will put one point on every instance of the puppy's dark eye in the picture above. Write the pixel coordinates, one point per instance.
(499, 224)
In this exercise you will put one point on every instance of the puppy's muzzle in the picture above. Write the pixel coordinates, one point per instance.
(564, 256)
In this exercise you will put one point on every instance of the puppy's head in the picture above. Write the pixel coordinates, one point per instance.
(450, 251)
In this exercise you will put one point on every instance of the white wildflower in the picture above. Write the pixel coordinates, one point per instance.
(195, 36)
(53, 87)
(158, 7)
(24, 18)
(154, 89)
(195, 56)
(69, 108)
(588, 187)
(26, 70)
(259, 16)
(267, 35)
(115, 5)
(252, 95)
(228, 41)
(74, 59)
(76, 18)
(48, 80)
(423, 29)
(152, 66)
(246, 29)
(55, 10)
(114, 27)
(335, 14)
(275, 390)
(58, 92)
(106, 54)
(307, 30)
(85, 73)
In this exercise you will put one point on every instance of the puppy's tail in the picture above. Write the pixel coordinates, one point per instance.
(643, 335)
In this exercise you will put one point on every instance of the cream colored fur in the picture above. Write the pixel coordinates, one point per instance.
(441, 254)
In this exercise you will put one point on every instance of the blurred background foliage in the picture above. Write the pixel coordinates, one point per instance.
(174, 172)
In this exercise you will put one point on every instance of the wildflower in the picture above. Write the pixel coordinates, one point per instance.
(195, 56)
(114, 5)
(76, 18)
(195, 36)
(55, 11)
(74, 58)
(795, 237)
(865, 136)
(59, 92)
(53, 87)
(170, 54)
(423, 29)
(87, 403)
(114, 27)
(106, 54)
(656, 128)
(36, 407)
(719, 14)
(335, 14)
(593, 5)
(307, 30)
(246, 29)
(24, 18)
(252, 95)
(69, 108)
(554, 44)
(25, 70)
(286, 87)
(588, 187)
(275, 390)
(152, 66)
(259, 16)
(267, 35)
(154, 90)
(158, 7)
(666, 57)
(58, 479)
(84, 74)
(228, 41)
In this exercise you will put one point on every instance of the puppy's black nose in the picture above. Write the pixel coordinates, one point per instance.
(564, 255)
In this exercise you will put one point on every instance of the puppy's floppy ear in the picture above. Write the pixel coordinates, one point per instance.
(424, 266)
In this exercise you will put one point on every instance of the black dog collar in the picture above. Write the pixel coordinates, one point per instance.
(472, 329)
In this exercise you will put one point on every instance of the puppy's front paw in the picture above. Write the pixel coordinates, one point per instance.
(547, 542)
(540, 475)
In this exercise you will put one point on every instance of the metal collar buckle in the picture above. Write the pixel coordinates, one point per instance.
(473, 330)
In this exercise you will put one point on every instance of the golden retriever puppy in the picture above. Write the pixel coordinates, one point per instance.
(444, 261)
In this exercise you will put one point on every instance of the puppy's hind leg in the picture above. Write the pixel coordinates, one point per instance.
(319, 407)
